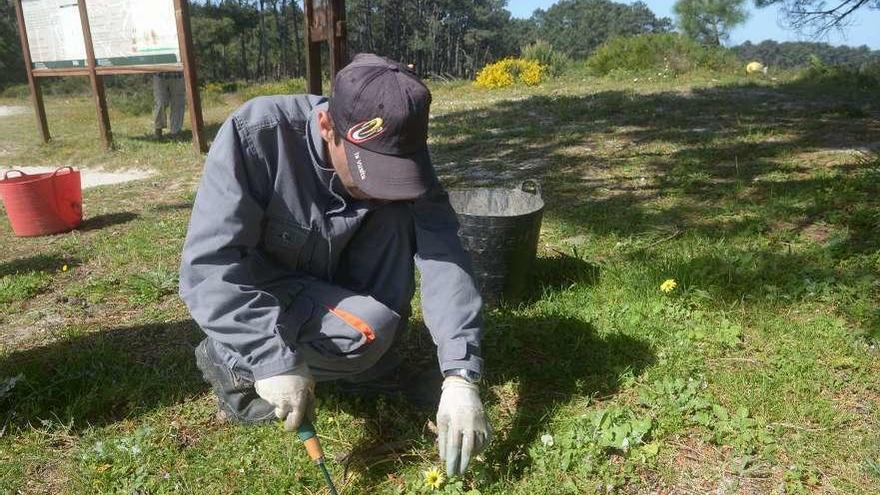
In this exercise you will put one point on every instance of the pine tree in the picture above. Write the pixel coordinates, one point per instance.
(710, 21)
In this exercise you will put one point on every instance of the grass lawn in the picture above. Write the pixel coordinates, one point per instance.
(758, 373)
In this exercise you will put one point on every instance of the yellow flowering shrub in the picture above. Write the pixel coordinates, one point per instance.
(531, 73)
(506, 72)
(494, 76)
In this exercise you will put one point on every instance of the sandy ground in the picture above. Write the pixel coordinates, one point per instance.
(11, 110)
(92, 177)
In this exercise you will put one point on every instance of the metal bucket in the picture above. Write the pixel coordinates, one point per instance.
(500, 228)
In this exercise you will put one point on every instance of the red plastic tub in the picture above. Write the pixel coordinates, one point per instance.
(41, 204)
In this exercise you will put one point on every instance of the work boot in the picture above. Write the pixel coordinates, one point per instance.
(237, 399)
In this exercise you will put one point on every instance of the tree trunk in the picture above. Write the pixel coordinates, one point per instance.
(261, 55)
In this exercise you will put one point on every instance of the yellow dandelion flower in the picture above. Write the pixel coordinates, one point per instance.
(433, 478)
(668, 286)
(64, 268)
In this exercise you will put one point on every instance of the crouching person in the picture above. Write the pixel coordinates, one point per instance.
(299, 262)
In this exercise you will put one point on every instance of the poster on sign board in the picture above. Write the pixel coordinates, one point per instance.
(124, 32)
(55, 33)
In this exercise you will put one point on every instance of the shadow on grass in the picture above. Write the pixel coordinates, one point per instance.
(536, 364)
(548, 274)
(102, 377)
(709, 148)
(550, 361)
(49, 263)
(106, 220)
(170, 207)
(560, 272)
(209, 132)
(184, 136)
(720, 165)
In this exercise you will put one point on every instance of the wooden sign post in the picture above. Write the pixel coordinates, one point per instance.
(36, 92)
(325, 21)
(184, 36)
(96, 80)
(95, 68)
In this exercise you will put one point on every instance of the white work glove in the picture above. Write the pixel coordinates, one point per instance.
(463, 429)
(292, 394)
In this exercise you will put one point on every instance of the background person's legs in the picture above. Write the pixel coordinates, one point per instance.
(178, 103)
(160, 102)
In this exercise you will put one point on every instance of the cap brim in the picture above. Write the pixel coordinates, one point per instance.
(389, 177)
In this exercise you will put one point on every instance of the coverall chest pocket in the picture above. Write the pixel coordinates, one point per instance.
(288, 243)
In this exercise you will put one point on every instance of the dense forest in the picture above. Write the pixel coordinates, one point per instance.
(11, 67)
(239, 39)
(443, 38)
(263, 39)
(792, 55)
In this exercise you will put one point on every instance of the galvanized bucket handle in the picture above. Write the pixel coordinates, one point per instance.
(6, 175)
(530, 186)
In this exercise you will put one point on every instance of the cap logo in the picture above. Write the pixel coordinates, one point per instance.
(365, 131)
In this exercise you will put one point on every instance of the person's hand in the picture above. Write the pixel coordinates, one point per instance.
(463, 428)
(292, 394)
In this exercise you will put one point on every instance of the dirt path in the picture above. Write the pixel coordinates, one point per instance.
(92, 177)
(7, 110)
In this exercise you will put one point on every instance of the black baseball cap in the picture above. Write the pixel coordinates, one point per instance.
(380, 109)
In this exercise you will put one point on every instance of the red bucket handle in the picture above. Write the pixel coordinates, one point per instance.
(54, 186)
(6, 175)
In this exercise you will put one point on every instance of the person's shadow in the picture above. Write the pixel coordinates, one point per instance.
(535, 363)
(100, 377)
(544, 363)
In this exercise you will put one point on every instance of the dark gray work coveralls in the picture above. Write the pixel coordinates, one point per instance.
(282, 266)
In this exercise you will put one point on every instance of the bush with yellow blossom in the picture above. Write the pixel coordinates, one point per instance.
(508, 71)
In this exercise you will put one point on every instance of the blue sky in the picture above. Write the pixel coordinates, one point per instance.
(762, 23)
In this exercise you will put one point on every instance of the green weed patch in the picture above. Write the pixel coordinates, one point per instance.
(703, 315)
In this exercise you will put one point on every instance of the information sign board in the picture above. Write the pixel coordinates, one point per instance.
(55, 33)
(96, 38)
(134, 32)
(124, 32)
